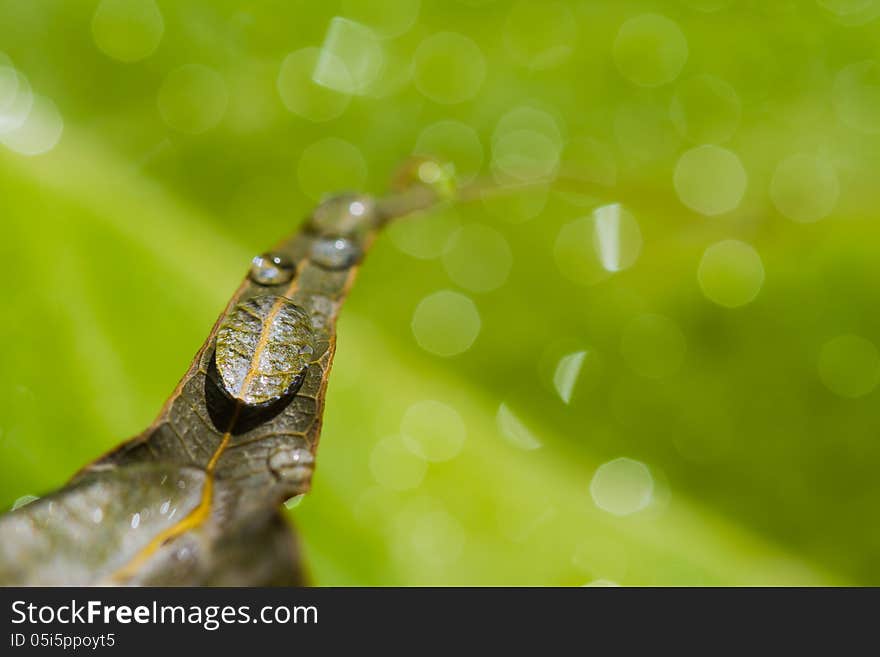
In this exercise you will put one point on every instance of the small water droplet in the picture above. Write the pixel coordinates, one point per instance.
(24, 500)
(294, 501)
(97, 516)
(335, 252)
(181, 484)
(292, 464)
(272, 269)
(135, 520)
(344, 214)
(184, 554)
(165, 506)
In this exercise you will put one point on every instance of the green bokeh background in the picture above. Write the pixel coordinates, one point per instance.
(122, 243)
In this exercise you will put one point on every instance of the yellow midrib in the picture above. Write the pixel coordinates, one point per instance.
(192, 520)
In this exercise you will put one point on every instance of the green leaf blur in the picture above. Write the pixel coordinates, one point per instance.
(660, 369)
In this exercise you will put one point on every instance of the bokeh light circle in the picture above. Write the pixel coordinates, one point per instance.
(731, 273)
(455, 142)
(540, 35)
(426, 238)
(804, 188)
(478, 258)
(849, 366)
(588, 249)
(437, 428)
(449, 68)
(301, 95)
(622, 486)
(710, 180)
(650, 50)
(446, 323)
(856, 96)
(39, 133)
(128, 30)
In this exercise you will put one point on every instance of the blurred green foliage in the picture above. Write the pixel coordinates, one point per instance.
(742, 376)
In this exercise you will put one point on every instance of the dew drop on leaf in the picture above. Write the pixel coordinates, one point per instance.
(292, 464)
(260, 356)
(272, 269)
(335, 252)
(345, 214)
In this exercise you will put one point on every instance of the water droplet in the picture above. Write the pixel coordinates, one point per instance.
(622, 486)
(294, 501)
(185, 554)
(272, 269)
(514, 431)
(334, 252)
(258, 354)
(292, 464)
(97, 516)
(165, 506)
(24, 500)
(345, 214)
(135, 521)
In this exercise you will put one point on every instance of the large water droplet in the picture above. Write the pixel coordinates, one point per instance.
(292, 464)
(345, 214)
(272, 269)
(335, 252)
(260, 356)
